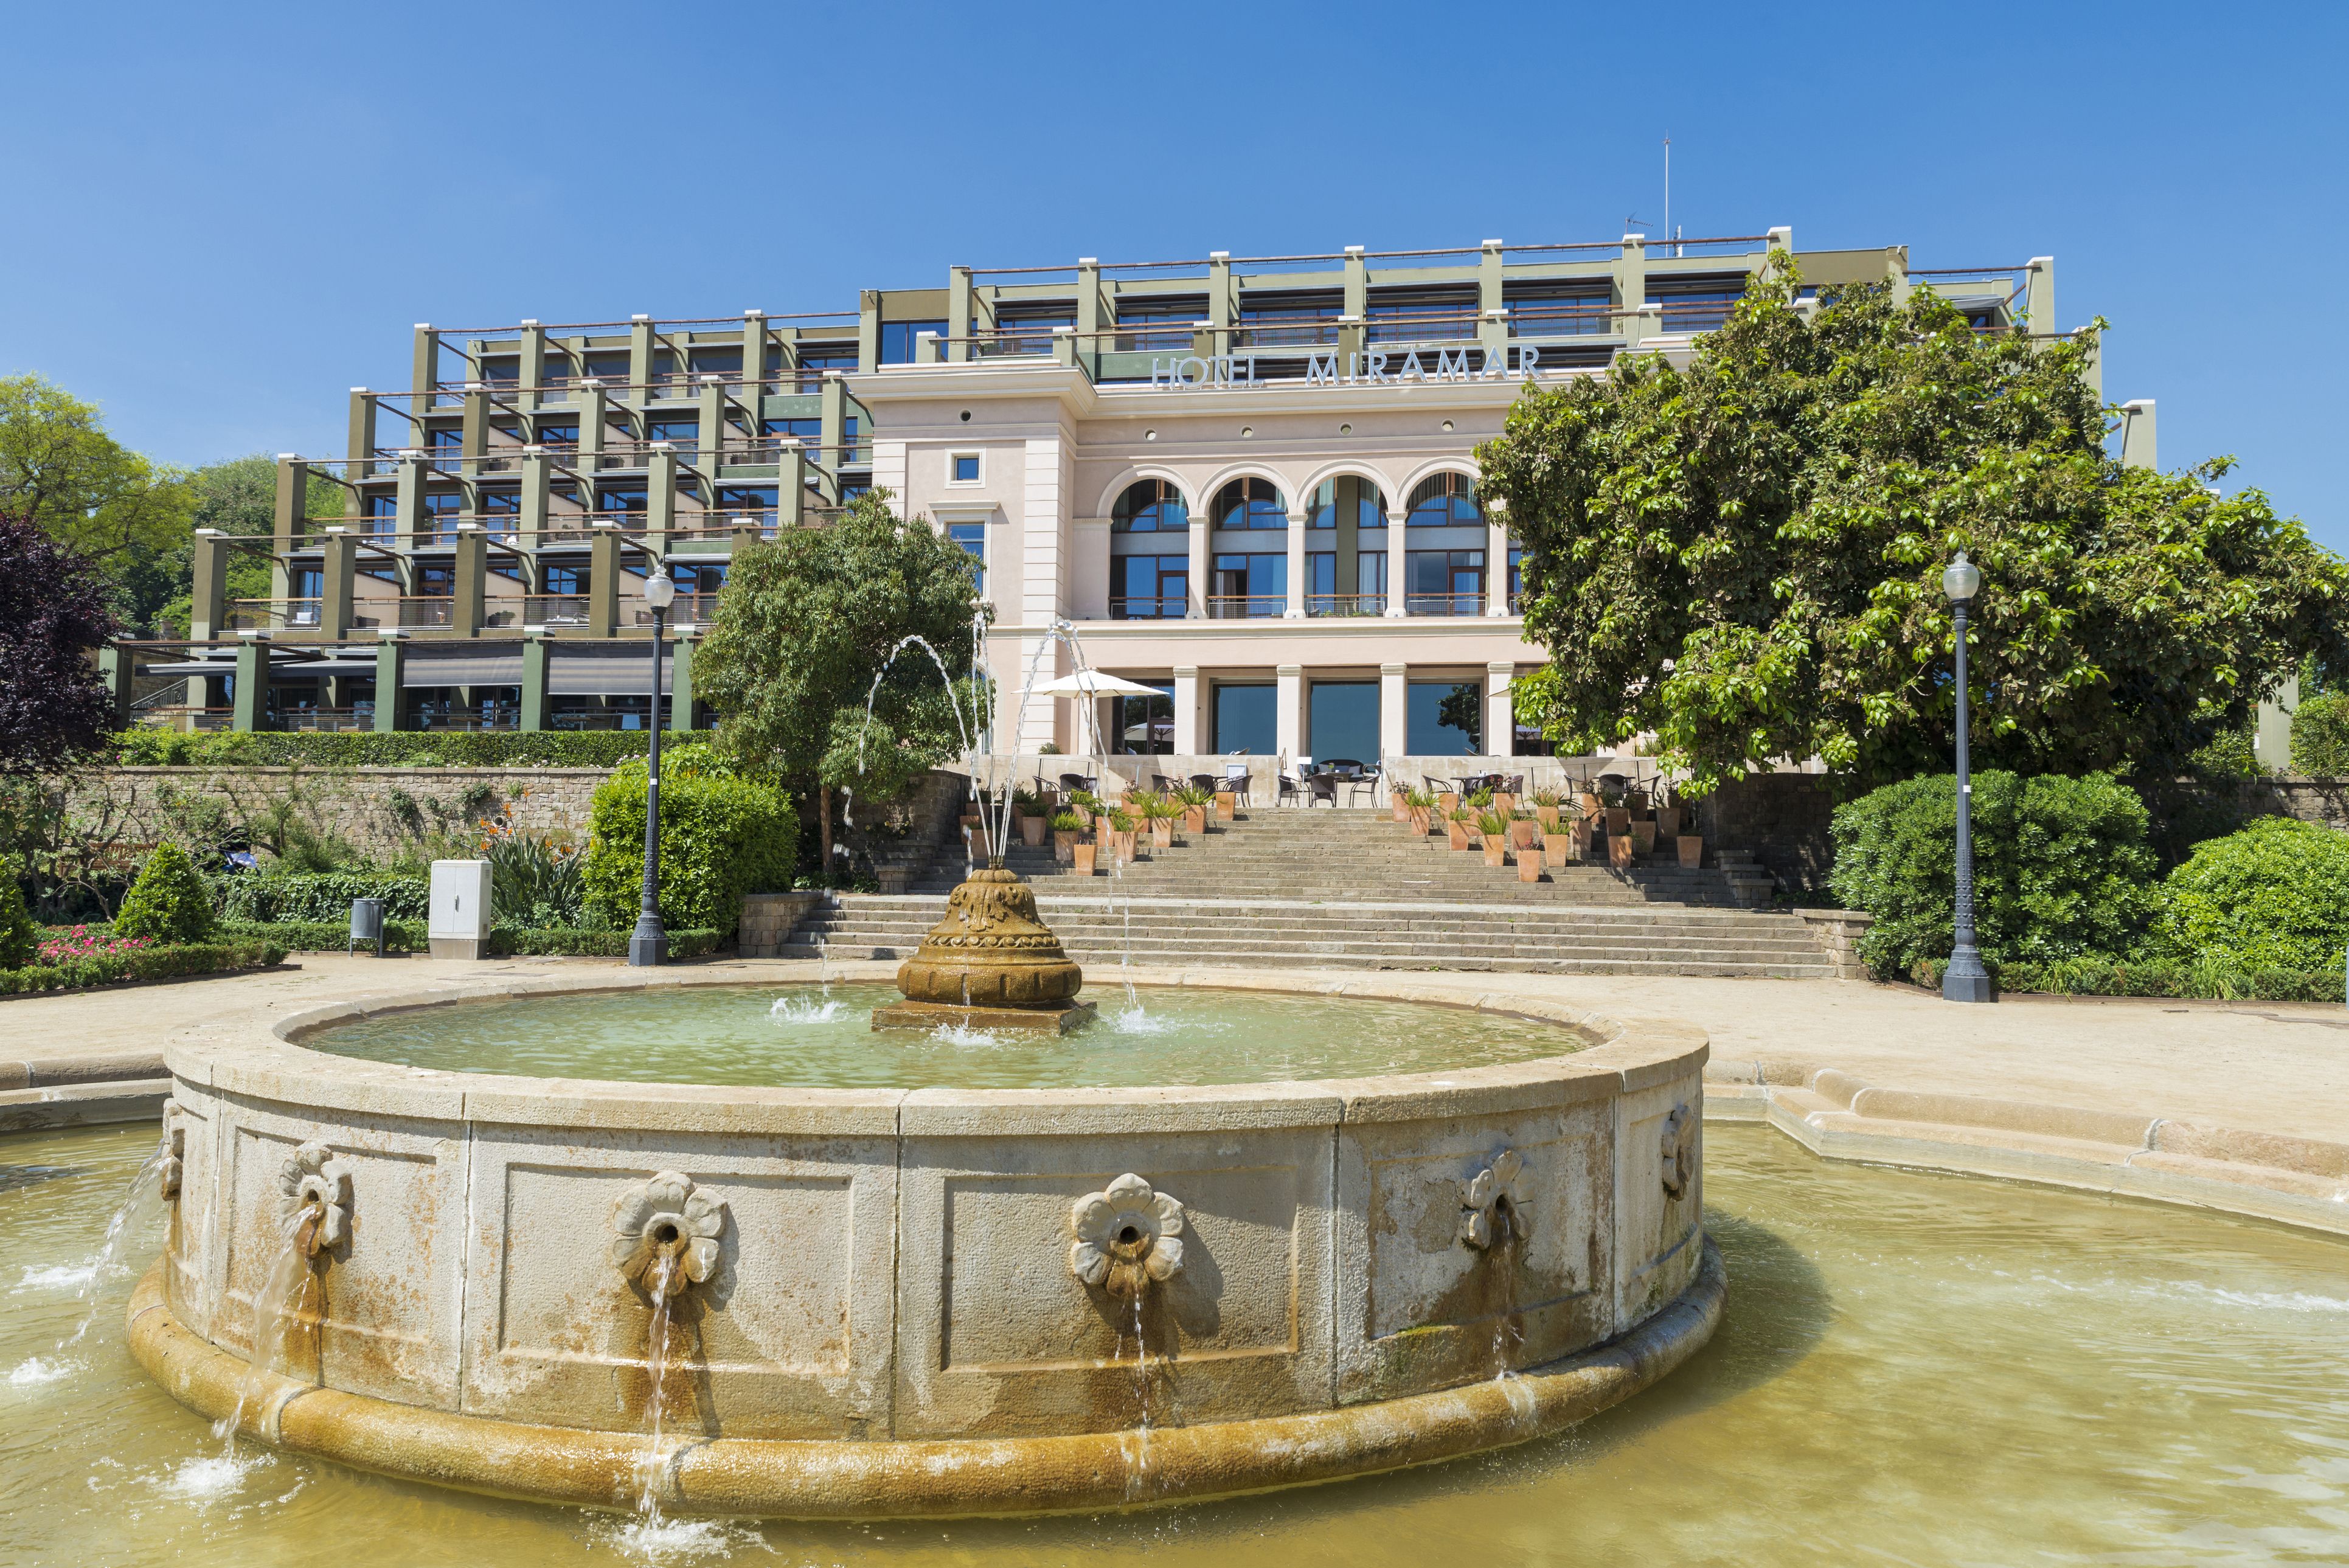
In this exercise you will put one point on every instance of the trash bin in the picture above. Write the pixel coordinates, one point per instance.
(367, 924)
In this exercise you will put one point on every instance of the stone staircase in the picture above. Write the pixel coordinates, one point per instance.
(1354, 889)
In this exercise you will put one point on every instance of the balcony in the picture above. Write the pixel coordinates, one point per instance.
(470, 721)
(273, 615)
(428, 611)
(554, 610)
(1457, 602)
(688, 609)
(1345, 604)
(1164, 607)
(322, 720)
(1246, 606)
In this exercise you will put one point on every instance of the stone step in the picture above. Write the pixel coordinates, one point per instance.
(1110, 930)
(1298, 958)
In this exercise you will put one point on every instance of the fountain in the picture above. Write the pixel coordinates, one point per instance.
(991, 963)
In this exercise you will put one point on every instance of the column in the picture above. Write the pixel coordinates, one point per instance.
(641, 362)
(533, 678)
(2137, 448)
(531, 374)
(1288, 711)
(1492, 303)
(790, 484)
(1194, 549)
(535, 484)
(290, 522)
(1295, 610)
(470, 589)
(593, 407)
(1187, 711)
(1223, 305)
(1500, 717)
(957, 315)
(1497, 560)
(1630, 277)
(408, 506)
(1394, 712)
(833, 408)
(424, 370)
(2039, 294)
(1088, 343)
(603, 580)
(334, 586)
(118, 666)
(868, 330)
(681, 683)
(1398, 579)
(660, 495)
(360, 446)
(208, 605)
(391, 644)
(252, 700)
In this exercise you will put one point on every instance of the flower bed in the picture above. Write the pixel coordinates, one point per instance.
(77, 942)
(169, 961)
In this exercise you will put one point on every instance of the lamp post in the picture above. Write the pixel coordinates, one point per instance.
(648, 943)
(1965, 980)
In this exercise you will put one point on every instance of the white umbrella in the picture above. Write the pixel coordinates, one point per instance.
(1092, 682)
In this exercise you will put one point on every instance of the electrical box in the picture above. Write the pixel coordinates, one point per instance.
(460, 924)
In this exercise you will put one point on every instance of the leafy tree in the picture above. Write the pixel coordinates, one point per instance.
(19, 937)
(53, 614)
(1745, 557)
(238, 498)
(169, 902)
(60, 468)
(2320, 735)
(806, 622)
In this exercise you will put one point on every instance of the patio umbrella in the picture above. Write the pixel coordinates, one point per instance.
(1092, 682)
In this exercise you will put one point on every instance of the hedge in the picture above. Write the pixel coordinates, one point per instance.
(2175, 978)
(2320, 735)
(19, 937)
(326, 936)
(141, 964)
(2273, 896)
(359, 749)
(322, 896)
(722, 836)
(557, 941)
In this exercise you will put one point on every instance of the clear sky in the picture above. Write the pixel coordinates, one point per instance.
(219, 218)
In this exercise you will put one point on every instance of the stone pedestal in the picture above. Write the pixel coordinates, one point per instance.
(1058, 1020)
(989, 964)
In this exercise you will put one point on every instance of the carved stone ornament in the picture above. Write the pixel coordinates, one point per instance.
(173, 1150)
(1493, 1201)
(317, 1192)
(668, 1228)
(1679, 1151)
(990, 951)
(1128, 1237)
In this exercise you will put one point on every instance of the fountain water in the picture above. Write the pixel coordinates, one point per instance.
(90, 1277)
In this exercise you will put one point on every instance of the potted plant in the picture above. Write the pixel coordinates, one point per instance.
(1523, 827)
(1162, 815)
(1032, 820)
(1691, 848)
(1619, 850)
(1589, 800)
(1399, 797)
(1562, 846)
(1067, 829)
(1619, 811)
(1446, 802)
(1080, 854)
(1546, 808)
(1643, 836)
(1529, 862)
(1494, 828)
(1421, 804)
(1669, 812)
(1122, 848)
(1460, 827)
(1197, 800)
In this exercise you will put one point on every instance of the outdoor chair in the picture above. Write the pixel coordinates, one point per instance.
(1288, 790)
(1073, 782)
(1236, 780)
(1161, 784)
(1324, 787)
(1204, 781)
(1515, 784)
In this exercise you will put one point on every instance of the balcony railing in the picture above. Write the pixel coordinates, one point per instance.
(1345, 604)
(471, 720)
(1246, 606)
(688, 610)
(1161, 607)
(554, 610)
(273, 615)
(1461, 602)
(198, 720)
(322, 720)
(436, 611)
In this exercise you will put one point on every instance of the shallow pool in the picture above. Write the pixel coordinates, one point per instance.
(1912, 1370)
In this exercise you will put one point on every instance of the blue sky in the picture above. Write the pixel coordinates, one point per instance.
(317, 178)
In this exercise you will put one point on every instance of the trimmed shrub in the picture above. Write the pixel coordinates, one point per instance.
(559, 942)
(2273, 896)
(18, 935)
(2153, 977)
(722, 835)
(2319, 737)
(169, 902)
(325, 935)
(2062, 868)
(167, 963)
(348, 749)
(322, 896)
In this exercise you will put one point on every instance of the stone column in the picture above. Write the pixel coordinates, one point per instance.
(470, 571)
(1500, 719)
(291, 525)
(1496, 561)
(1289, 722)
(641, 362)
(391, 644)
(1631, 278)
(1492, 307)
(2138, 449)
(833, 408)
(334, 586)
(790, 484)
(1397, 583)
(603, 579)
(252, 700)
(1195, 546)
(660, 496)
(1295, 609)
(1394, 712)
(1223, 304)
(1187, 711)
(958, 321)
(680, 682)
(754, 365)
(424, 369)
(533, 678)
(360, 446)
(2039, 294)
(208, 604)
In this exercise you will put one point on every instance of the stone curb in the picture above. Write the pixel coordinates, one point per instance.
(83, 1104)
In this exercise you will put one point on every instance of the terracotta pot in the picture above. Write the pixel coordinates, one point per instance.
(1589, 803)
(1522, 832)
(1496, 849)
(1668, 821)
(1448, 801)
(1064, 847)
(1547, 816)
(1643, 838)
(1529, 864)
(1081, 855)
(1458, 834)
(1419, 823)
(1560, 849)
(1618, 821)
(1619, 850)
(1031, 831)
(1195, 819)
(1504, 802)
(1402, 809)
(1126, 849)
(1225, 804)
(1162, 832)
(1582, 833)
(1691, 848)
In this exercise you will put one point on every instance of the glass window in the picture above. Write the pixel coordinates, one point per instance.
(972, 537)
(1250, 503)
(1150, 506)
(1446, 501)
(1159, 322)
(447, 440)
(1144, 725)
(1368, 501)
(1516, 579)
(559, 437)
(1150, 588)
(383, 513)
(558, 578)
(727, 362)
(807, 432)
(1250, 585)
(614, 499)
(966, 468)
(1321, 573)
(1445, 718)
(682, 428)
(1247, 719)
(900, 338)
(1342, 721)
(746, 498)
(1445, 581)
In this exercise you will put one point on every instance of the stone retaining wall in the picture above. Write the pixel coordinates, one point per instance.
(378, 809)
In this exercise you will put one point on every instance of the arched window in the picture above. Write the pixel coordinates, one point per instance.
(1150, 506)
(1360, 497)
(1250, 503)
(1446, 501)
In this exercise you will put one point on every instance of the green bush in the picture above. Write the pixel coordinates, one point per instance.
(166, 963)
(722, 835)
(418, 749)
(169, 902)
(2273, 896)
(2153, 977)
(557, 941)
(2062, 868)
(19, 937)
(2319, 737)
(322, 896)
(324, 935)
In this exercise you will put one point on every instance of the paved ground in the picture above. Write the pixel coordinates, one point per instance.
(2270, 1067)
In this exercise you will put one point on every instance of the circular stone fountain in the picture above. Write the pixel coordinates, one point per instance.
(877, 1302)
(991, 963)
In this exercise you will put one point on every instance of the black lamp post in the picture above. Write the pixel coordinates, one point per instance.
(1965, 980)
(648, 943)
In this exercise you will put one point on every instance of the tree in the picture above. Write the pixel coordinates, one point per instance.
(1745, 557)
(238, 498)
(60, 468)
(803, 626)
(53, 616)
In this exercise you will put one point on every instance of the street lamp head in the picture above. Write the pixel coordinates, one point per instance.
(1963, 580)
(660, 591)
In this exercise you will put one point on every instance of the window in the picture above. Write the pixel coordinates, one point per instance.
(1028, 328)
(1516, 579)
(1162, 323)
(382, 514)
(972, 537)
(708, 578)
(1445, 718)
(1444, 581)
(614, 499)
(1290, 320)
(1422, 315)
(1365, 501)
(685, 429)
(558, 578)
(1250, 585)
(1557, 310)
(559, 437)
(808, 433)
(501, 510)
(1150, 588)
(755, 500)
(612, 369)
(850, 452)
(1144, 725)
(1342, 721)
(1250, 503)
(962, 469)
(899, 339)
(1446, 501)
(726, 362)
(1695, 303)
(1150, 506)
(503, 371)
(1248, 720)
(815, 358)
(441, 510)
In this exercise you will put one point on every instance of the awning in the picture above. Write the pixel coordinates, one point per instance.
(277, 667)
(622, 671)
(499, 666)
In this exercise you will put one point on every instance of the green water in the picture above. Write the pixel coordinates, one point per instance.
(802, 1035)
(1912, 1370)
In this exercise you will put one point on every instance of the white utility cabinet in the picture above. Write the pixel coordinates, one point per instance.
(459, 926)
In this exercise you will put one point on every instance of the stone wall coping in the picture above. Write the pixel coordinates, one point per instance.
(434, 770)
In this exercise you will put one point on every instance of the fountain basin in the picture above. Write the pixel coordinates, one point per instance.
(892, 1325)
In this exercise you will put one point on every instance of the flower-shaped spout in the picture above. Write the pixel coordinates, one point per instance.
(316, 1187)
(1128, 1237)
(668, 1232)
(1679, 1152)
(1493, 1201)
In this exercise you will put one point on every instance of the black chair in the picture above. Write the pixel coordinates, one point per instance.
(1073, 782)
(1324, 787)
(1161, 784)
(1287, 790)
(1205, 781)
